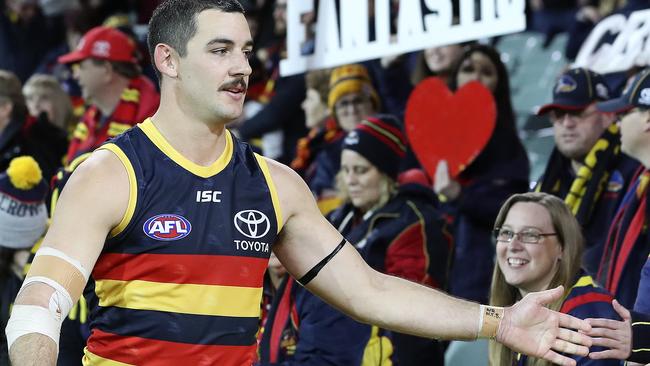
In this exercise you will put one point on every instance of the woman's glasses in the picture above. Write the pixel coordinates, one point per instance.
(528, 237)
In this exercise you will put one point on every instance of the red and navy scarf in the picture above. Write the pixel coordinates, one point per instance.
(627, 226)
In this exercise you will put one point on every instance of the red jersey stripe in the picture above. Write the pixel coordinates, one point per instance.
(573, 303)
(151, 352)
(182, 269)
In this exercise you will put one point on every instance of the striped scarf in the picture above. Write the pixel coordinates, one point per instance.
(91, 132)
(627, 226)
(591, 179)
(309, 146)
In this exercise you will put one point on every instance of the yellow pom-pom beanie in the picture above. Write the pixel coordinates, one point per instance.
(23, 215)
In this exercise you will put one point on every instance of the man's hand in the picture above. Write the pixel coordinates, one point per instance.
(613, 334)
(529, 327)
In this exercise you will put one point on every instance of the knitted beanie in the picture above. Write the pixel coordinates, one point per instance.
(23, 215)
(380, 140)
(351, 79)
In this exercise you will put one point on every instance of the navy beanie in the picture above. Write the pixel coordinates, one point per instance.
(380, 140)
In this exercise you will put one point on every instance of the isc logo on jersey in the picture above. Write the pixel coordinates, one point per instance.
(167, 227)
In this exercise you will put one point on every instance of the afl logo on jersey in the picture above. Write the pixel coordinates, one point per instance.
(167, 227)
(252, 223)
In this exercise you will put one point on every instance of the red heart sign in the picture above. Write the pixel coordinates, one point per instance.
(442, 125)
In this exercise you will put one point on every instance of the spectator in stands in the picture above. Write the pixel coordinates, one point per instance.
(44, 94)
(23, 219)
(351, 98)
(474, 198)
(539, 246)
(323, 139)
(23, 135)
(396, 229)
(628, 244)
(317, 119)
(628, 339)
(437, 61)
(106, 65)
(586, 168)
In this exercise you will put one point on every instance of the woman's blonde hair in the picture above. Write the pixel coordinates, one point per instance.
(569, 235)
(46, 84)
(388, 188)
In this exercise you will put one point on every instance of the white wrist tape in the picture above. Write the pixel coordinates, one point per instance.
(55, 271)
(27, 319)
(60, 303)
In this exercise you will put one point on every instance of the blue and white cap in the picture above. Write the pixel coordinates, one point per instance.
(636, 94)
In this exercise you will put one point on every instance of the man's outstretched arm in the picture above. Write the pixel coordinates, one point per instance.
(93, 202)
(349, 284)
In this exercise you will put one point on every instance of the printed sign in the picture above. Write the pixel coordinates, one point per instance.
(343, 35)
(630, 47)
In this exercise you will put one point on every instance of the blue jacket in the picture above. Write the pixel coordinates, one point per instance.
(586, 300)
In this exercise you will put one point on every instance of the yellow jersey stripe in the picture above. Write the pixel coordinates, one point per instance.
(274, 192)
(133, 187)
(180, 298)
(94, 360)
(202, 171)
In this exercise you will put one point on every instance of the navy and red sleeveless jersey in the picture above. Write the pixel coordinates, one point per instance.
(179, 281)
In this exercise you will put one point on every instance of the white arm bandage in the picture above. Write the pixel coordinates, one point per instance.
(66, 276)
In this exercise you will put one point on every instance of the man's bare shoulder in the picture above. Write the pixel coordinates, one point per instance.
(100, 185)
(93, 202)
(292, 190)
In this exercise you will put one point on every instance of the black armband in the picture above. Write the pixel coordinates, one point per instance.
(304, 280)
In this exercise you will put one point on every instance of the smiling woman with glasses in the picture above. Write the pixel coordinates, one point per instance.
(539, 246)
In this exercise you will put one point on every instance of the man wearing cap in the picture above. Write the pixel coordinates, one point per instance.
(628, 243)
(119, 96)
(586, 167)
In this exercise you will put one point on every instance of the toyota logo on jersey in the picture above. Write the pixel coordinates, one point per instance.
(167, 227)
(252, 223)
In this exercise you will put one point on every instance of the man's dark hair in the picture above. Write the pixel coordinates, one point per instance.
(174, 22)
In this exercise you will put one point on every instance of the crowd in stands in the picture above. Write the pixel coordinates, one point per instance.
(74, 74)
